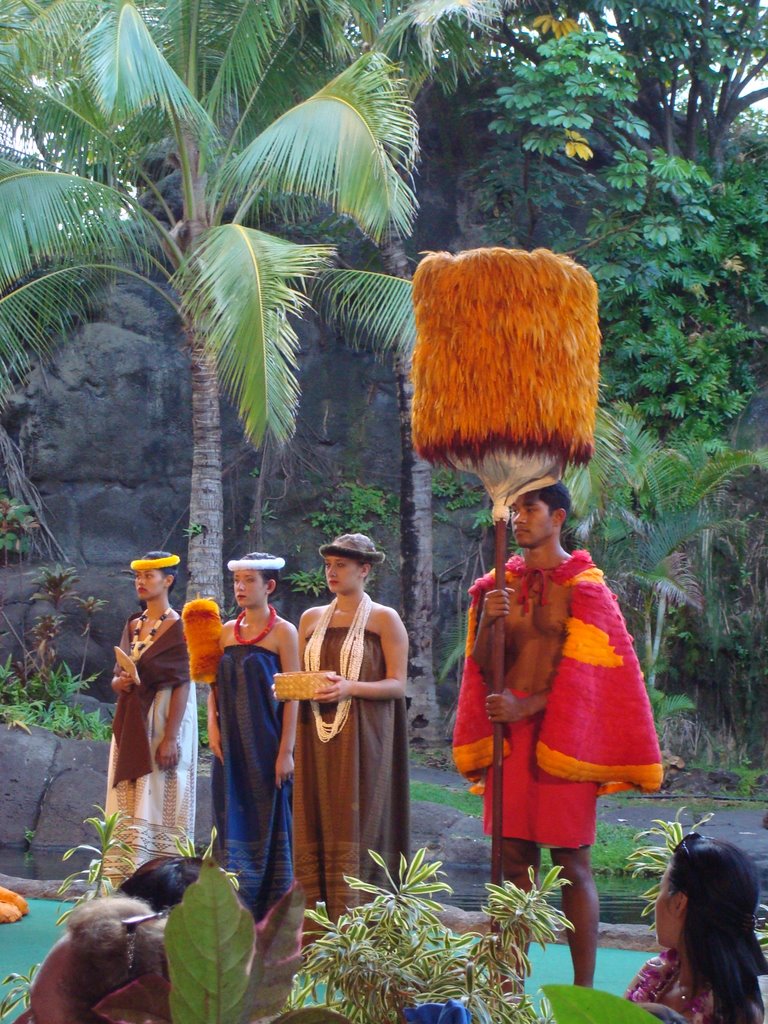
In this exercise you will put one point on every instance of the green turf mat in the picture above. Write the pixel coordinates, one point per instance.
(615, 968)
(27, 941)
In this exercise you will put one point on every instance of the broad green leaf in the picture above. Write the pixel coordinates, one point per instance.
(574, 1005)
(238, 290)
(209, 940)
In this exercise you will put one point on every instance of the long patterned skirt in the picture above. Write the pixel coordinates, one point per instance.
(157, 808)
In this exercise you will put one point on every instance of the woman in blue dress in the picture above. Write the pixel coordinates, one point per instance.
(252, 736)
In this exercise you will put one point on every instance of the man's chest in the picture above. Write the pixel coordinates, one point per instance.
(537, 612)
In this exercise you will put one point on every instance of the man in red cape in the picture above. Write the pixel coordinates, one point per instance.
(576, 714)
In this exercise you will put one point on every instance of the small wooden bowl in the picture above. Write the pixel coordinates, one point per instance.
(299, 685)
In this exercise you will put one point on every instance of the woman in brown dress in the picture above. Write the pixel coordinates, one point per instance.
(351, 779)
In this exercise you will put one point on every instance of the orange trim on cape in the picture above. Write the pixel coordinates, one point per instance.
(598, 724)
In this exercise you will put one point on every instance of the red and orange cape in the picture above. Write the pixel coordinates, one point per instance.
(598, 725)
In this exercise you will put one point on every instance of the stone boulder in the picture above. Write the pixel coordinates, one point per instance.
(703, 782)
(26, 765)
(51, 785)
(449, 836)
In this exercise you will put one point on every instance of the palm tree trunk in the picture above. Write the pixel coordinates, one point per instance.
(416, 569)
(416, 575)
(206, 503)
(661, 612)
(648, 637)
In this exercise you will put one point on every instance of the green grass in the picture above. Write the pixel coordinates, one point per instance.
(613, 845)
(460, 799)
(665, 806)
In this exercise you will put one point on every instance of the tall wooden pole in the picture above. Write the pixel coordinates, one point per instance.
(497, 665)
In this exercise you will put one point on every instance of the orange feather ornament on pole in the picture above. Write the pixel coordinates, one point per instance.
(505, 377)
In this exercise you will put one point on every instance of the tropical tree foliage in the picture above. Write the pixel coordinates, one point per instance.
(699, 67)
(650, 512)
(435, 41)
(166, 141)
(676, 245)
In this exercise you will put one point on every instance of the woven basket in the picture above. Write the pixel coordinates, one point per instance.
(299, 685)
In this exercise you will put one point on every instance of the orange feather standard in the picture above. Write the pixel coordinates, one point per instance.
(507, 356)
(202, 628)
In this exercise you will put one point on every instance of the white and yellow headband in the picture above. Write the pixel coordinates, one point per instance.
(144, 564)
(266, 564)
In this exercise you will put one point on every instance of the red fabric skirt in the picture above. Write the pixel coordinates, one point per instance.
(538, 806)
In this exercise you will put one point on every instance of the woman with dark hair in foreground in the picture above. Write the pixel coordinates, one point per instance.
(109, 943)
(705, 919)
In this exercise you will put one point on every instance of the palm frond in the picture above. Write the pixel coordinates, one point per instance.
(429, 35)
(453, 642)
(674, 580)
(128, 73)
(640, 445)
(70, 131)
(345, 145)
(592, 486)
(428, 19)
(41, 307)
(51, 33)
(721, 468)
(669, 705)
(369, 307)
(15, 90)
(297, 69)
(46, 216)
(239, 289)
(662, 538)
(328, 22)
(236, 60)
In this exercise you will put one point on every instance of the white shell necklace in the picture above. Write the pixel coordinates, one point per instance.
(350, 662)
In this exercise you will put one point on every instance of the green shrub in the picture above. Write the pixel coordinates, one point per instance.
(44, 700)
(394, 952)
